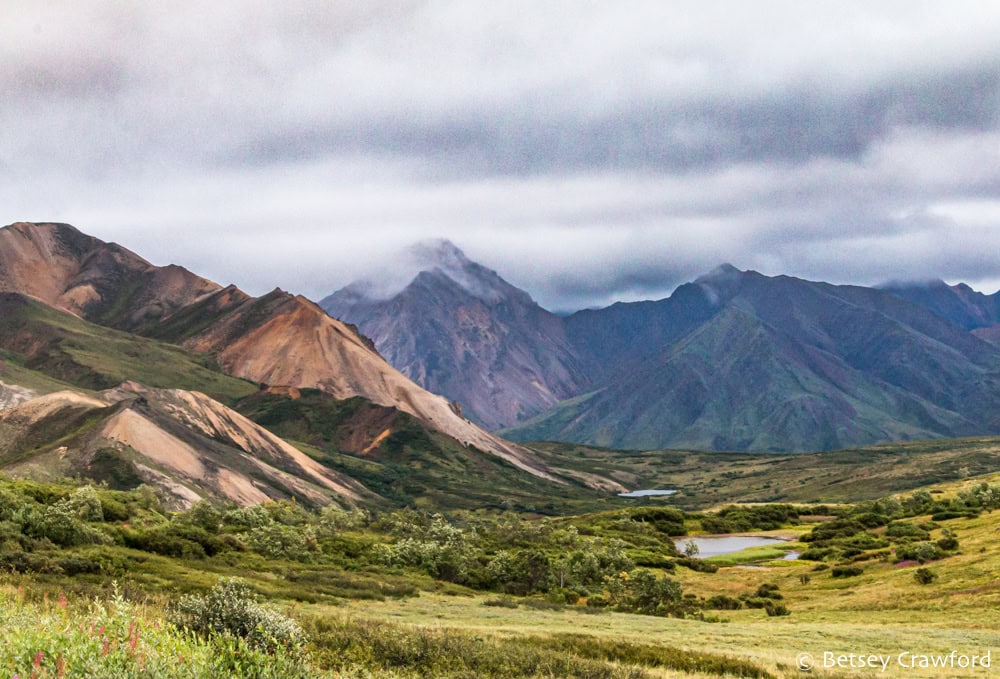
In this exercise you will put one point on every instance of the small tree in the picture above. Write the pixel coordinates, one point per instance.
(691, 549)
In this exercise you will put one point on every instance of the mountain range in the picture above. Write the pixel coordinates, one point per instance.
(111, 365)
(734, 360)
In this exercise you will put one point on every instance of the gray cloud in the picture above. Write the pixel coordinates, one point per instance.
(587, 152)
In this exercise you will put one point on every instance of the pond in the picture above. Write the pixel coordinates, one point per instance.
(647, 493)
(717, 545)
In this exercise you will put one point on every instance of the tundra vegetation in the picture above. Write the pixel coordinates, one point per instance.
(101, 582)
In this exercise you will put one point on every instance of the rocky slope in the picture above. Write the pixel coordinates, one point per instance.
(277, 339)
(184, 443)
(460, 330)
(103, 282)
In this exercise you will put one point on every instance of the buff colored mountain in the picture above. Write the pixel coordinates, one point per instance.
(182, 442)
(277, 339)
(102, 282)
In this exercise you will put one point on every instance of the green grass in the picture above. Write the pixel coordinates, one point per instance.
(68, 350)
(756, 554)
(709, 479)
(114, 638)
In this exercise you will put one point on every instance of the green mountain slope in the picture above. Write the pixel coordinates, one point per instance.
(70, 350)
(395, 455)
(784, 364)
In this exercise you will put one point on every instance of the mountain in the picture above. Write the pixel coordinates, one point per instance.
(277, 339)
(395, 455)
(958, 304)
(102, 282)
(459, 329)
(184, 443)
(741, 361)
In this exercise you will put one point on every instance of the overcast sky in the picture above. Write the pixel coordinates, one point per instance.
(588, 151)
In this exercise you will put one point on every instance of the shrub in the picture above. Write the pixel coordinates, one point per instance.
(768, 591)
(164, 541)
(60, 524)
(663, 519)
(948, 544)
(276, 540)
(502, 602)
(721, 602)
(920, 551)
(231, 608)
(846, 571)
(74, 565)
(698, 565)
(25, 562)
(112, 639)
(899, 529)
(774, 610)
(924, 576)
(113, 510)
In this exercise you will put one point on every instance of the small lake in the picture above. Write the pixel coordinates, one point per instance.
(647, 493)
(717, 545)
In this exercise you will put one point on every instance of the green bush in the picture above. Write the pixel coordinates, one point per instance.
(721, 602)
(26, 562)
(846, 571)
(768, 591)
(664, 519)
(110, 640)
(697, 565)
(947, 544)
(113, 510)
(60, 523)
(919, 551)
(775, 610)
(924, 576)
(231, 608)
(502, 602)
(898, 529)
(163, 541)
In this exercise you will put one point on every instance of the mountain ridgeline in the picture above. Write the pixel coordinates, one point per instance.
(134, 368)
(732, 361)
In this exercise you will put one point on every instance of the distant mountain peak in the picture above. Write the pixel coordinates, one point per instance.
(438, 252)
(441, 256)
(720, 283)
(434, 262)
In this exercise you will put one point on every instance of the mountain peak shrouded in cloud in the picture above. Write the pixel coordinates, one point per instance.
(432, 258)
(461, 330)
(720, 283)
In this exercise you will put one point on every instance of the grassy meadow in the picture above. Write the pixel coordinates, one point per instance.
(106, 583)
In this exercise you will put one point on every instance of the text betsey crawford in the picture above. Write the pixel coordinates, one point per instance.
(905, 660)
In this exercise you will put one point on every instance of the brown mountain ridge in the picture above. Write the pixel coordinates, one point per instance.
(276, 339)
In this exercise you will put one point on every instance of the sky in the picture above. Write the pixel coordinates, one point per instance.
(587, 151)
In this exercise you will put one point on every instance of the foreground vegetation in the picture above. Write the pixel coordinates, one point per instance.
(410, 593)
